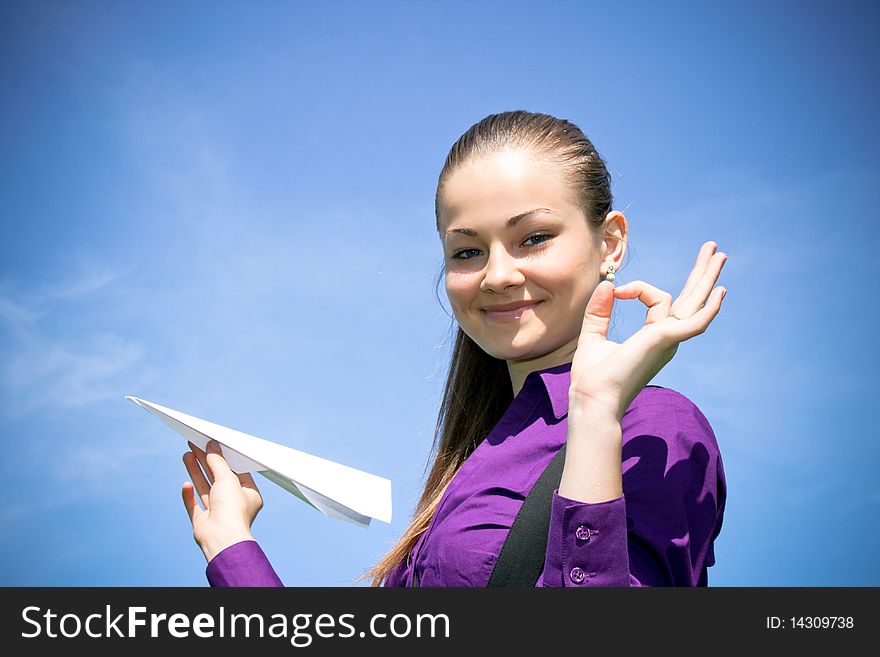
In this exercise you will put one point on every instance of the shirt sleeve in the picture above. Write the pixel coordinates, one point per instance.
(240, 565)
(662, 530)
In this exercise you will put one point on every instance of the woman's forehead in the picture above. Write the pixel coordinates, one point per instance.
(504, 169)
(493, 192)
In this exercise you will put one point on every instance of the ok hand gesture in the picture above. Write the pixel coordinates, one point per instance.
(606, 375)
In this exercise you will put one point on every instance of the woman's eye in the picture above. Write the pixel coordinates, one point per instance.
(539, 235)
(458, 254)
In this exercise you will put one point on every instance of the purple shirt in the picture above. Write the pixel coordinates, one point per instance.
(660, 532)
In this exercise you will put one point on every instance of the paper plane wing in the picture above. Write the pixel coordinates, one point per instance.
(336, 490)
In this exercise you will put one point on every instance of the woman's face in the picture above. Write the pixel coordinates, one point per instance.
(549, 256)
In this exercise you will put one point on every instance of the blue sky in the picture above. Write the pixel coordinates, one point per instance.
(227, 208)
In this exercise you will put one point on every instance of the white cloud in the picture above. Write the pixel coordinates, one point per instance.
(85, 284)
(42, 370)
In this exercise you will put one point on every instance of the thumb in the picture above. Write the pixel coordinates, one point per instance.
(598, 312)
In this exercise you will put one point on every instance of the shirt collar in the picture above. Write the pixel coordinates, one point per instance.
(556, 381)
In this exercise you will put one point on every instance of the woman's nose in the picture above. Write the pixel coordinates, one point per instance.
(502, 271)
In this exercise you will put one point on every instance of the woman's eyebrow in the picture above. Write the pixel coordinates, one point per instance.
(510, 222)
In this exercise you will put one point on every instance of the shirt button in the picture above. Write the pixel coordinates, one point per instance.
(583, 533)
(577, 575)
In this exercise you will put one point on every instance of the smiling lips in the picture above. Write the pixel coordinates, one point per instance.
(508, 312)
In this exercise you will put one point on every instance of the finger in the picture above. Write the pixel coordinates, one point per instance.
(703, 258)
(689, 305)
(659, 302)
(247, 481)
(193, 509)
(597, 314)
(198, 478)
(219, 467)
(203, 461)
(697, 323)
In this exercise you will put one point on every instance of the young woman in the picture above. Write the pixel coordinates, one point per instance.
(531, 243)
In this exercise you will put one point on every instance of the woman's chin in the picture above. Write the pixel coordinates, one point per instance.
(513, 350)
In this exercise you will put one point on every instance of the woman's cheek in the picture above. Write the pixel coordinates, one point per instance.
(459, 298)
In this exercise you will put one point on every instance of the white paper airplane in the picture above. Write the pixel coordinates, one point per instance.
(334, 489)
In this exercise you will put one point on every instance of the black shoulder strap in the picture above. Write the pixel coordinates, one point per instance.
(522, 555)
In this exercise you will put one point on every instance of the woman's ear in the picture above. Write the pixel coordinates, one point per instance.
(615, 232)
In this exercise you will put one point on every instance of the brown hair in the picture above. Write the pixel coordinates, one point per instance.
(478, 390)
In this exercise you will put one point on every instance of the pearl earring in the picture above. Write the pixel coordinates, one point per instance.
(610, 275)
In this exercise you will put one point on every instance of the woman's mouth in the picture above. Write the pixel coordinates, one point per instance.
(510, 315)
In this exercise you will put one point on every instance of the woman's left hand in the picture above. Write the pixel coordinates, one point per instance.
(606, 375)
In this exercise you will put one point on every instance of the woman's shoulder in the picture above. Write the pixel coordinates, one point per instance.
(653, 395)
(668, 414)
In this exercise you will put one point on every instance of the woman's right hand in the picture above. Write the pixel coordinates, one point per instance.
(231, 501)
